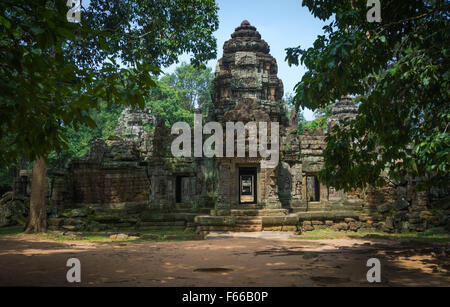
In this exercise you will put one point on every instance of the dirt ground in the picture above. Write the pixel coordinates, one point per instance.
(231, 262)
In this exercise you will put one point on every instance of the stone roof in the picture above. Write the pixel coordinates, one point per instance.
(246, 38)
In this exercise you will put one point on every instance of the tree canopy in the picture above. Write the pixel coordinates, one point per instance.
(194, 83)
(55, 71)
(398, 72)
(44, 91)
(154, 32)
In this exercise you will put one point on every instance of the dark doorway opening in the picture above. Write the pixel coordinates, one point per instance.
(313, 188)
(182, 191)
(248, 185)
(178, 189)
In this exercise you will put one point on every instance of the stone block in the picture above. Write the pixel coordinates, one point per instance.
(340, 226)
(106, 217)
(220, 212)
(354, 226)
(279, 220)
(307, 228)
(272, 228)
(326, 215)
(307, 223)
(215, 220)
(289, 228)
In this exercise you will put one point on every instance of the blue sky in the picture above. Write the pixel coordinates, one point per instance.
(282, 24)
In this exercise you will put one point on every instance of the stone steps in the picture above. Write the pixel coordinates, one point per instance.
(248, 229)
(249, 222)
(216, 228)
(273, 219)
(317, 208)
(247, 217)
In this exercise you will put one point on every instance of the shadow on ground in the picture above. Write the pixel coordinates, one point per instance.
(27, 261)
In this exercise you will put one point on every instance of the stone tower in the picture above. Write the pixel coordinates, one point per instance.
(247, 73)
(343, 109)
(246, 89)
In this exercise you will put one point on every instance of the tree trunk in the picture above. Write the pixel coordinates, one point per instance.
(37, 219)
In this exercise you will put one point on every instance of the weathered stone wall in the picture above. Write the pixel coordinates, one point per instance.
(290, 185)
(195, 176)
(95, 220)
(290, 170)
(15, 204)
(109, 183)
(405, 208)
(312, 144)
(111, 174)
(314, 193)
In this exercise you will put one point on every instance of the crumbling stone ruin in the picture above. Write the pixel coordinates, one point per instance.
(134, 182)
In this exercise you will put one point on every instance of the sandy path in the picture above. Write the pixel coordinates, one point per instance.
(224, 262)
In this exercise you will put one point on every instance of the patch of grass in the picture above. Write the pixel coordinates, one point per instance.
(160, 235)
(105, 237)
(437, 234)
(11, 230)
(57, 236)
(168, 232)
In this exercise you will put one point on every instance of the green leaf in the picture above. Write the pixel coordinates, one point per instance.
(5, 22)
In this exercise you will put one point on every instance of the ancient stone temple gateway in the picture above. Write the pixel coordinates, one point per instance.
(135, 182)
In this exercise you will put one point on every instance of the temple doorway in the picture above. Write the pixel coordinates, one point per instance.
(247, 185)
(313, 188)
(182, 191)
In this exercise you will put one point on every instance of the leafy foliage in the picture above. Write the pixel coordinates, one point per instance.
(398, 70)
(320, 122)
(55, 73)
(78, 140)
(43, 91)
(194, 83)
(155, 32)
(169, 103)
